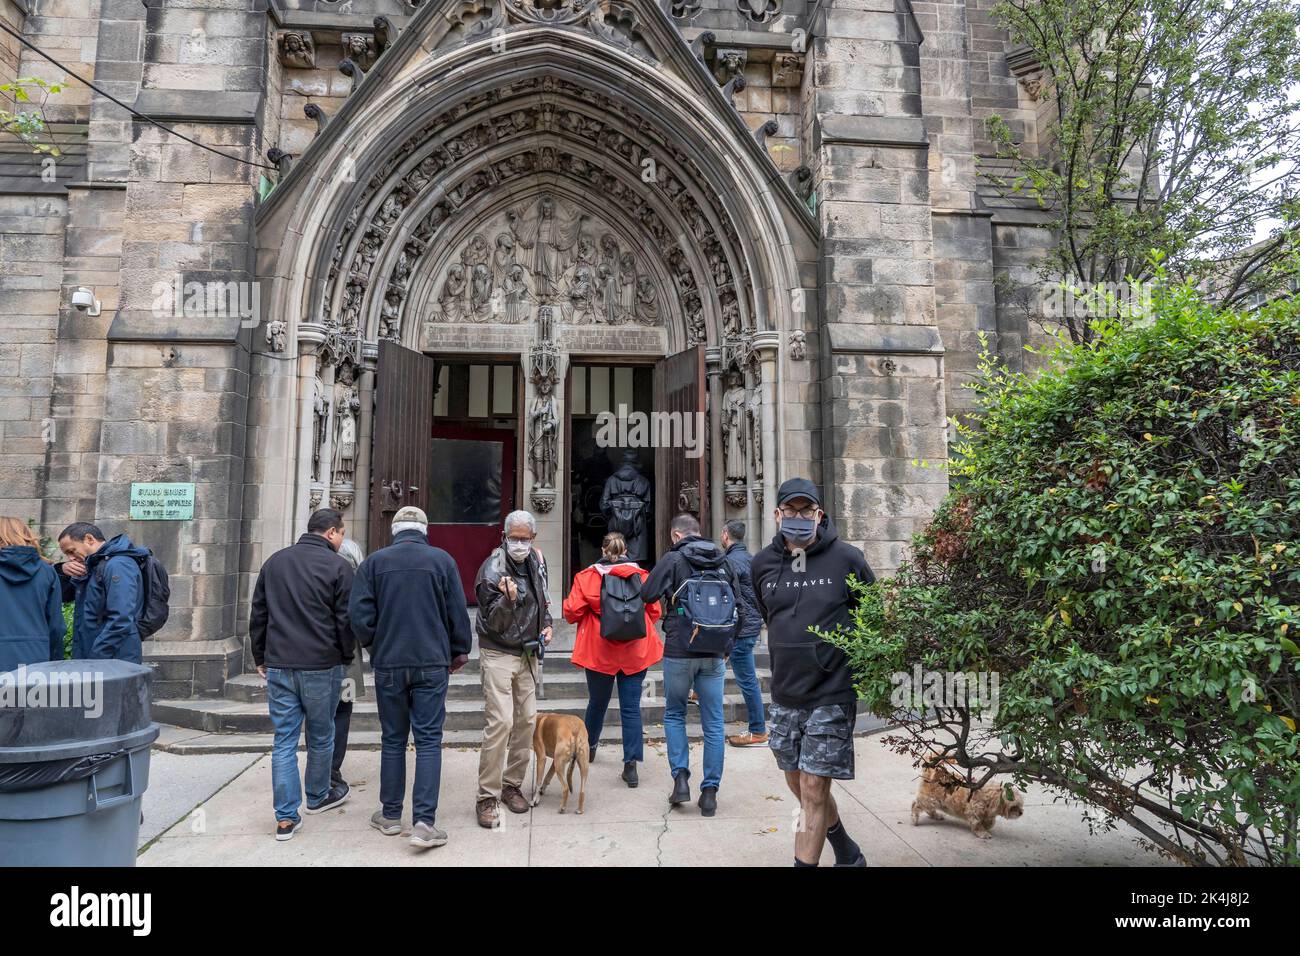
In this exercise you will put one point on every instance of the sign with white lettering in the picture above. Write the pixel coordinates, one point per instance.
(162, 501)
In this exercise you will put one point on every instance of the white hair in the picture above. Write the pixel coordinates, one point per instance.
(520, 517)
(400, 526)
(352, 553)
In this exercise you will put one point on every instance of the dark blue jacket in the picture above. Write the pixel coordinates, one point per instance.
(408, 606)
(739, 558)
(110, 599)
(689, 555)
(31, 609)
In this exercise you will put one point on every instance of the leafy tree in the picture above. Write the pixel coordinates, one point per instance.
(30, 125)
(1171, 125)
(1122, 548)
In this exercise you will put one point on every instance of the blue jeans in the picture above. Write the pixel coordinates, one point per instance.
(296, 697)
(707, 675)
(742, 664)
(600, 687)
(412, 702)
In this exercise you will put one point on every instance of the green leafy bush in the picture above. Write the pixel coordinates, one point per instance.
(1122, 549)
(67, 634)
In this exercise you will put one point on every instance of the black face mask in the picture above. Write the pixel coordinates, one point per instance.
(797, 529)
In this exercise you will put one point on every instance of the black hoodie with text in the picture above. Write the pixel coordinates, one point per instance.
(806, 671)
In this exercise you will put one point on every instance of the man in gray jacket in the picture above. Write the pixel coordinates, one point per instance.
(513, 624)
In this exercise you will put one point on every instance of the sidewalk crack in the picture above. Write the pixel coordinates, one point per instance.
(659, 849)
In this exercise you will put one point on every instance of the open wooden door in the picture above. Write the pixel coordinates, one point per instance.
(401, 462)
(681, 482)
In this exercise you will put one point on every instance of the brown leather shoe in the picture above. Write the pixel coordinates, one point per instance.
(514, 799)
(489, 813)
(747, 740)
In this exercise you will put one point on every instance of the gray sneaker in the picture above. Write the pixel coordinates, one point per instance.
(425, 835)
(384, 825)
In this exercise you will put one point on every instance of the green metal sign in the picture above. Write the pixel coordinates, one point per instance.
(162, 501)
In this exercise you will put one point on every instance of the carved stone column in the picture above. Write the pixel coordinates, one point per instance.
(768, 346)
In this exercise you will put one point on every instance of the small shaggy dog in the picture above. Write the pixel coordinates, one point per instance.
(942, 790)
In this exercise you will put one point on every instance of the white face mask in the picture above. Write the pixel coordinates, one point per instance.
(518, 550)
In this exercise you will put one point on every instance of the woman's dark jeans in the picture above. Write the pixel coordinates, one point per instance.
(600, 687)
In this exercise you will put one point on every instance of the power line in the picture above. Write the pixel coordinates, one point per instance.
(136, 113)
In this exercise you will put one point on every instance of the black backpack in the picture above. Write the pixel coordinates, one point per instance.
(708, 602)
(157, 592)
(622, 612)
(627, 515)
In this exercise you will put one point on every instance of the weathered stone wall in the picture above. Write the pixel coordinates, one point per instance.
(12, 14)
(882, 357)
(68, 31)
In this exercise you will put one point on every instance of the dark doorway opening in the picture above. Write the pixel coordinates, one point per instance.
(598, 396)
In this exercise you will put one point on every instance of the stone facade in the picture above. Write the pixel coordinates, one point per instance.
(794, 186)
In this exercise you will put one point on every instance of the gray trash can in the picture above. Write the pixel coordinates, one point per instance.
(74, 762)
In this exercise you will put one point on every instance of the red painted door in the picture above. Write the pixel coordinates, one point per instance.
(471, 491)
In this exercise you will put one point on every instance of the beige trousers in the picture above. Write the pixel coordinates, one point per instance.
(510, 699)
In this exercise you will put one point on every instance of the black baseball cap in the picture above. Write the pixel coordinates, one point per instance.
(798, 488)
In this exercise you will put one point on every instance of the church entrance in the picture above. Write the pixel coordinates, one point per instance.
(611, 484)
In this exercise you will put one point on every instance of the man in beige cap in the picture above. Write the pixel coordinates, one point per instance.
(408, 609)
(513, 625)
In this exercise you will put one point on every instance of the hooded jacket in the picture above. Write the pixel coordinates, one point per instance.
(741, 562)
(31, 609)
(110, 599)
(502, 625)
(582, 607)
(408, 606)
(806, 671)
(299, 618)
(689, 555)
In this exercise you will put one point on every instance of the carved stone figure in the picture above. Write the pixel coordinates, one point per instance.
(798, 346)
(320, 419)
(297, 50)
(452, 298)
(517, 295)
(346, 414)
(647, 302)
(480, 296)
(754, 410)
(360, 49)
(543, 434)
(276, 333)
(546, 234)
(733, 428)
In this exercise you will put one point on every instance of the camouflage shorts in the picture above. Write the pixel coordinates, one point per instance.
(817, 741)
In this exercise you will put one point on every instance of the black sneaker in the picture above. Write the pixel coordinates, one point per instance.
(335, 798)
(681, 788)
(629, 774)
(708, 801)
(285, 829)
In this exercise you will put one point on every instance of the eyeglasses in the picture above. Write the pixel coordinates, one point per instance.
(805, 513)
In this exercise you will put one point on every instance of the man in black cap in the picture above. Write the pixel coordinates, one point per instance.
(800, 583)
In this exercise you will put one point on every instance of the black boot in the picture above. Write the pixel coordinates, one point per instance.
(591, 754)
(629, 774)
(708, 801)
(681, 788)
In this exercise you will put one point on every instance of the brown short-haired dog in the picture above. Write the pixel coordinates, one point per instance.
(941, 789)
(563, 738)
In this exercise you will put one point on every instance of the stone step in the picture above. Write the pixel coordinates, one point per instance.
(559, 679)
(240, 717)
(227, 743)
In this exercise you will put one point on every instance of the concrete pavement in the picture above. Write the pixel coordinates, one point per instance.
(233, 823)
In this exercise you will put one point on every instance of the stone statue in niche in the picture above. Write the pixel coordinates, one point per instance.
(798, 345)
(545, 233)
(347, 411)
(754, 411)
(319, 421)
(733, 427)
(360, 49)
(543, 433)
(277, 332)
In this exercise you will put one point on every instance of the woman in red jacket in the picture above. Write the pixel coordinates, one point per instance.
(606, 661)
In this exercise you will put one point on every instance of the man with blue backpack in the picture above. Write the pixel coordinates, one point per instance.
(702, 618)
(121, 593)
